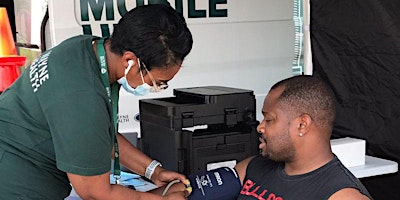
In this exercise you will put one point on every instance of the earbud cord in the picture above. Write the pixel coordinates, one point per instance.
(140, 70)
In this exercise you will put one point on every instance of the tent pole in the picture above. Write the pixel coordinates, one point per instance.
(308, 68)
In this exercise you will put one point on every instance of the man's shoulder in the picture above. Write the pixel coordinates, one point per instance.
(348, 193)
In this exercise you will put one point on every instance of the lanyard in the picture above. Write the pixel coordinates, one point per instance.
(113, 95)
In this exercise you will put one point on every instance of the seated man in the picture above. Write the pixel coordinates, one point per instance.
(296, 160)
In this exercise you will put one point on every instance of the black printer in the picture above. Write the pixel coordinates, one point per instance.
(198, 127)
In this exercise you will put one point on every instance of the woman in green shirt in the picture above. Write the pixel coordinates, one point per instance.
(58, 121)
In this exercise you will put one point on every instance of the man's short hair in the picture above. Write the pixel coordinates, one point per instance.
(310, 95)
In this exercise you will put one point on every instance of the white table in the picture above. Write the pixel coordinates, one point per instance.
(374, 166)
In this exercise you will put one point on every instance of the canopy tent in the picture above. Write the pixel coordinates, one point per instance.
(356, 49)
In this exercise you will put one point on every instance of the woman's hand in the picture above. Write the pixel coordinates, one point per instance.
(162, 176)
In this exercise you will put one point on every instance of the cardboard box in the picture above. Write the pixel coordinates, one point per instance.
(350, 151)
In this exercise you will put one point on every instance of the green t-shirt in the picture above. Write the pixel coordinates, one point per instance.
(56, 117)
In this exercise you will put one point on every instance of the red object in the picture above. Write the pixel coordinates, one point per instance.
(10, 63)
(10, 70)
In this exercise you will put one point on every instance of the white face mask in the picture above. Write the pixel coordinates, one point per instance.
(140, 90)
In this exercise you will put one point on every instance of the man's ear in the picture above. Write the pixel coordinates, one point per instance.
(305, 122)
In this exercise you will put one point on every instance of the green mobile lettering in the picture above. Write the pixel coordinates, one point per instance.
(97, 9)
(121, 7)
(213, 8)
(179, 6)
(87, 29)
(105, 31)
(192, 12)
(139, 3)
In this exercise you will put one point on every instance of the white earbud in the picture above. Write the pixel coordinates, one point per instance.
(130, 63)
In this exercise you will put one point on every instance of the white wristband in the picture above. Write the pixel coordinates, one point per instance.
(151, 168)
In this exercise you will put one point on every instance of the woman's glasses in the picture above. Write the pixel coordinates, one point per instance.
(157, 87)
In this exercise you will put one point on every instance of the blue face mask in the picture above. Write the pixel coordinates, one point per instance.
(140, 90)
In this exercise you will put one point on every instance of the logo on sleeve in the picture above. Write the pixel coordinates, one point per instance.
(38, 73)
